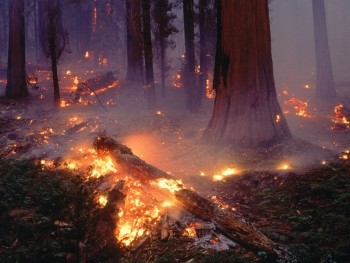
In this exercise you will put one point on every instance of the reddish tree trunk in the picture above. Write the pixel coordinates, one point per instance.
(246, 111)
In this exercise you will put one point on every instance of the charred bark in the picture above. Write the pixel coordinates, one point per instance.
(106, 220)
(233, 226)
(246, 110)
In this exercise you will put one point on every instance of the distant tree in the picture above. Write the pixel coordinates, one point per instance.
(16, 87)
(134, 41)
(207, 40)
(325, 88)
(3, 29)
(163, 28)
(190, 85)
(148, 55)
(53, 38)
(246, 110)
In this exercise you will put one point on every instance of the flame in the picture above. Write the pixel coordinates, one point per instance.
(224, 173)
(298, 106)
(103, 166)
(284, 166)
(209, 91)
(169, 184)
(177, 80)
(87, 54)
(340, 120)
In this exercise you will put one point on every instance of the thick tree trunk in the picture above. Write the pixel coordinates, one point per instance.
(134, 43)
(205, 209)
(246, 110)
(16, 87)
(325, 88)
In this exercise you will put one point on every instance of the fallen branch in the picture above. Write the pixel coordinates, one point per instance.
(233, 226)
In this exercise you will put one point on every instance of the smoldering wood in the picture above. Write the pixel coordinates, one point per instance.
(233, 226)
(228, 222)
(128, 162)
(106, 220)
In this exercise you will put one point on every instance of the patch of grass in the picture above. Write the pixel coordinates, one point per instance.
(34, 199)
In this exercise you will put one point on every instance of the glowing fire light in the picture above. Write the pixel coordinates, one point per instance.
(68, 72)
(340, 121)
(209, 91)
(171, 185)
(102, 200)
(103, 166)
(284, 166)
(87, 54)
(177, 80)
(224, 173)
(298, 106)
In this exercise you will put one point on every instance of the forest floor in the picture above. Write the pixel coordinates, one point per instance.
(296, 193)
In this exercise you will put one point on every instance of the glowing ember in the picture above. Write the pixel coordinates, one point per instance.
(140, 212)
(68, 72)
(341, 121)
(103, 166)
(284, 166)
(296, 105)
(224, 173)
(209, 91)
(102, 200)
(169, 184)
(177, 80)
(87, 54)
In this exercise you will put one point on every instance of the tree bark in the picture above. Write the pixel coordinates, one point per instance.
(205, 209)
(325, 88)
(233, 226)
(148, 55)
(134, 41)
(16, 87)
(191, 87)
(246, 110)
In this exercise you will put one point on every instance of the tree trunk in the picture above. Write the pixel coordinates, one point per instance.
(16, 87)
(325, 88)
(134, 43)
(203, 6)
(189, 74)
(148, 55)
(246, 110)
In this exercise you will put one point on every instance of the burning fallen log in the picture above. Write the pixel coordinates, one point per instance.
(106, 220)
(128, 162)
(233, 226)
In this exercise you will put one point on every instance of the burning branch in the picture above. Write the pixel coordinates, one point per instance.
(205, 209)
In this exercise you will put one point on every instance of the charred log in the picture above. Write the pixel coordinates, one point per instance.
(106, 220)
(128, 162)
(233, 226)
